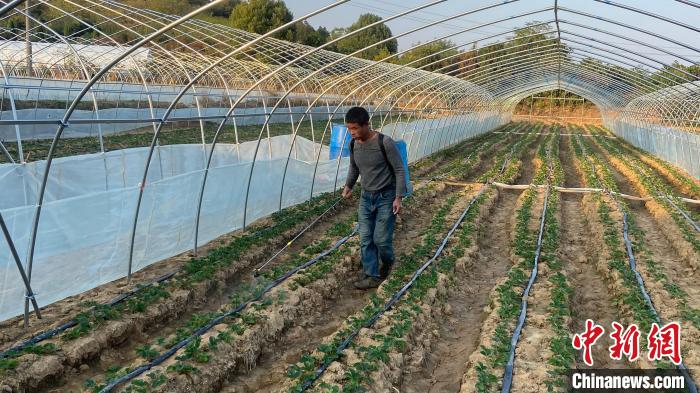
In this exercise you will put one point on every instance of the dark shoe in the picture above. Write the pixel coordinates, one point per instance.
(368, 282)
(384, 270)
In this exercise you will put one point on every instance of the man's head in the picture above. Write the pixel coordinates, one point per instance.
(357, 121)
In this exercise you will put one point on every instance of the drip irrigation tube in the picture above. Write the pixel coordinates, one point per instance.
(692, 388)
(397, 296)
(215, 321)
(508, 372)
(683, 213)
(52, 332)
(115, 301)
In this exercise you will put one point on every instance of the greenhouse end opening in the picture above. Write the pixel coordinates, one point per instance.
(349, 196)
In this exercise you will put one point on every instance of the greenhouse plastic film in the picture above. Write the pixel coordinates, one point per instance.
(85, 227)
(673, 145)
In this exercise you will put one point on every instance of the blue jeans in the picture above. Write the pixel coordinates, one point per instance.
(376, 220)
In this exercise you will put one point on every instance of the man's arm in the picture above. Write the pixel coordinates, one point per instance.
(353, 174)
(394, 157)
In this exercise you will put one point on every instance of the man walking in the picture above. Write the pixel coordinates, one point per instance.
(376, 158)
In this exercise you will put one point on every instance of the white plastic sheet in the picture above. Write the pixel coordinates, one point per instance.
(88, 213)
(673, 145)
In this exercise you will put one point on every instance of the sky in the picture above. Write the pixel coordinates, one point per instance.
(347, 13)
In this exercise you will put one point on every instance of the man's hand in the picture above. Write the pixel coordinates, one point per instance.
(396, 206)
(347, 192)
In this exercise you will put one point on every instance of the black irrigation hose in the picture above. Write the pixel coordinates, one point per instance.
(397, 296)
(683, 213)
(633, 266)
(692, 388)
(52, 332)
(120, 298)
(163, 357)
(508, 372)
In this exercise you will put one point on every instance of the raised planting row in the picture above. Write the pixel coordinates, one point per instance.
(103, 326)
(487, 364)
(638, 296)
(684, 183)
(664, 205)
(360, 365)
(663, 267)
(440, 162)
(456, 165)
(307, 291)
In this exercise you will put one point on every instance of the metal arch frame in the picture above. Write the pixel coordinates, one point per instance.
(671, 102)
(578, 87)
(312, 74)
(73, 106)
(653, 67)
(83, 69)
(217, 70)
(402, 75)
(268, 116)
(437, 74)
(43, 187)
(186, 88)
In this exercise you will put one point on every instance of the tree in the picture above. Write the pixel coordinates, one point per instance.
(261, 16)
(434, 52)
(367, 37)
(305, 34)
(677, 73)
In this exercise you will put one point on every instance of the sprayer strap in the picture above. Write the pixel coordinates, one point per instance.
(381, 147)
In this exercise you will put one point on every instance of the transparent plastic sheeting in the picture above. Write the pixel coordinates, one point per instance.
(676, 146)
(86, 223)
(245, 116)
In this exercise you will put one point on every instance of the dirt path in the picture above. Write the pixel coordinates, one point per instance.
(566, 155)
(271, 365)
(459, 334)
(528, 168)
(269, 373)
(591, 297)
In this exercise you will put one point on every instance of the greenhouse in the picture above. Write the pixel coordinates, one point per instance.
(172, 219)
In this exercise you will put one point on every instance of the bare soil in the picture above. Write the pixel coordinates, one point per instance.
(272, 364)
(458, 335)
(448, 360)
(591, 297)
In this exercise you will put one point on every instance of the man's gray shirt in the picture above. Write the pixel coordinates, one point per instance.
(368, 161)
